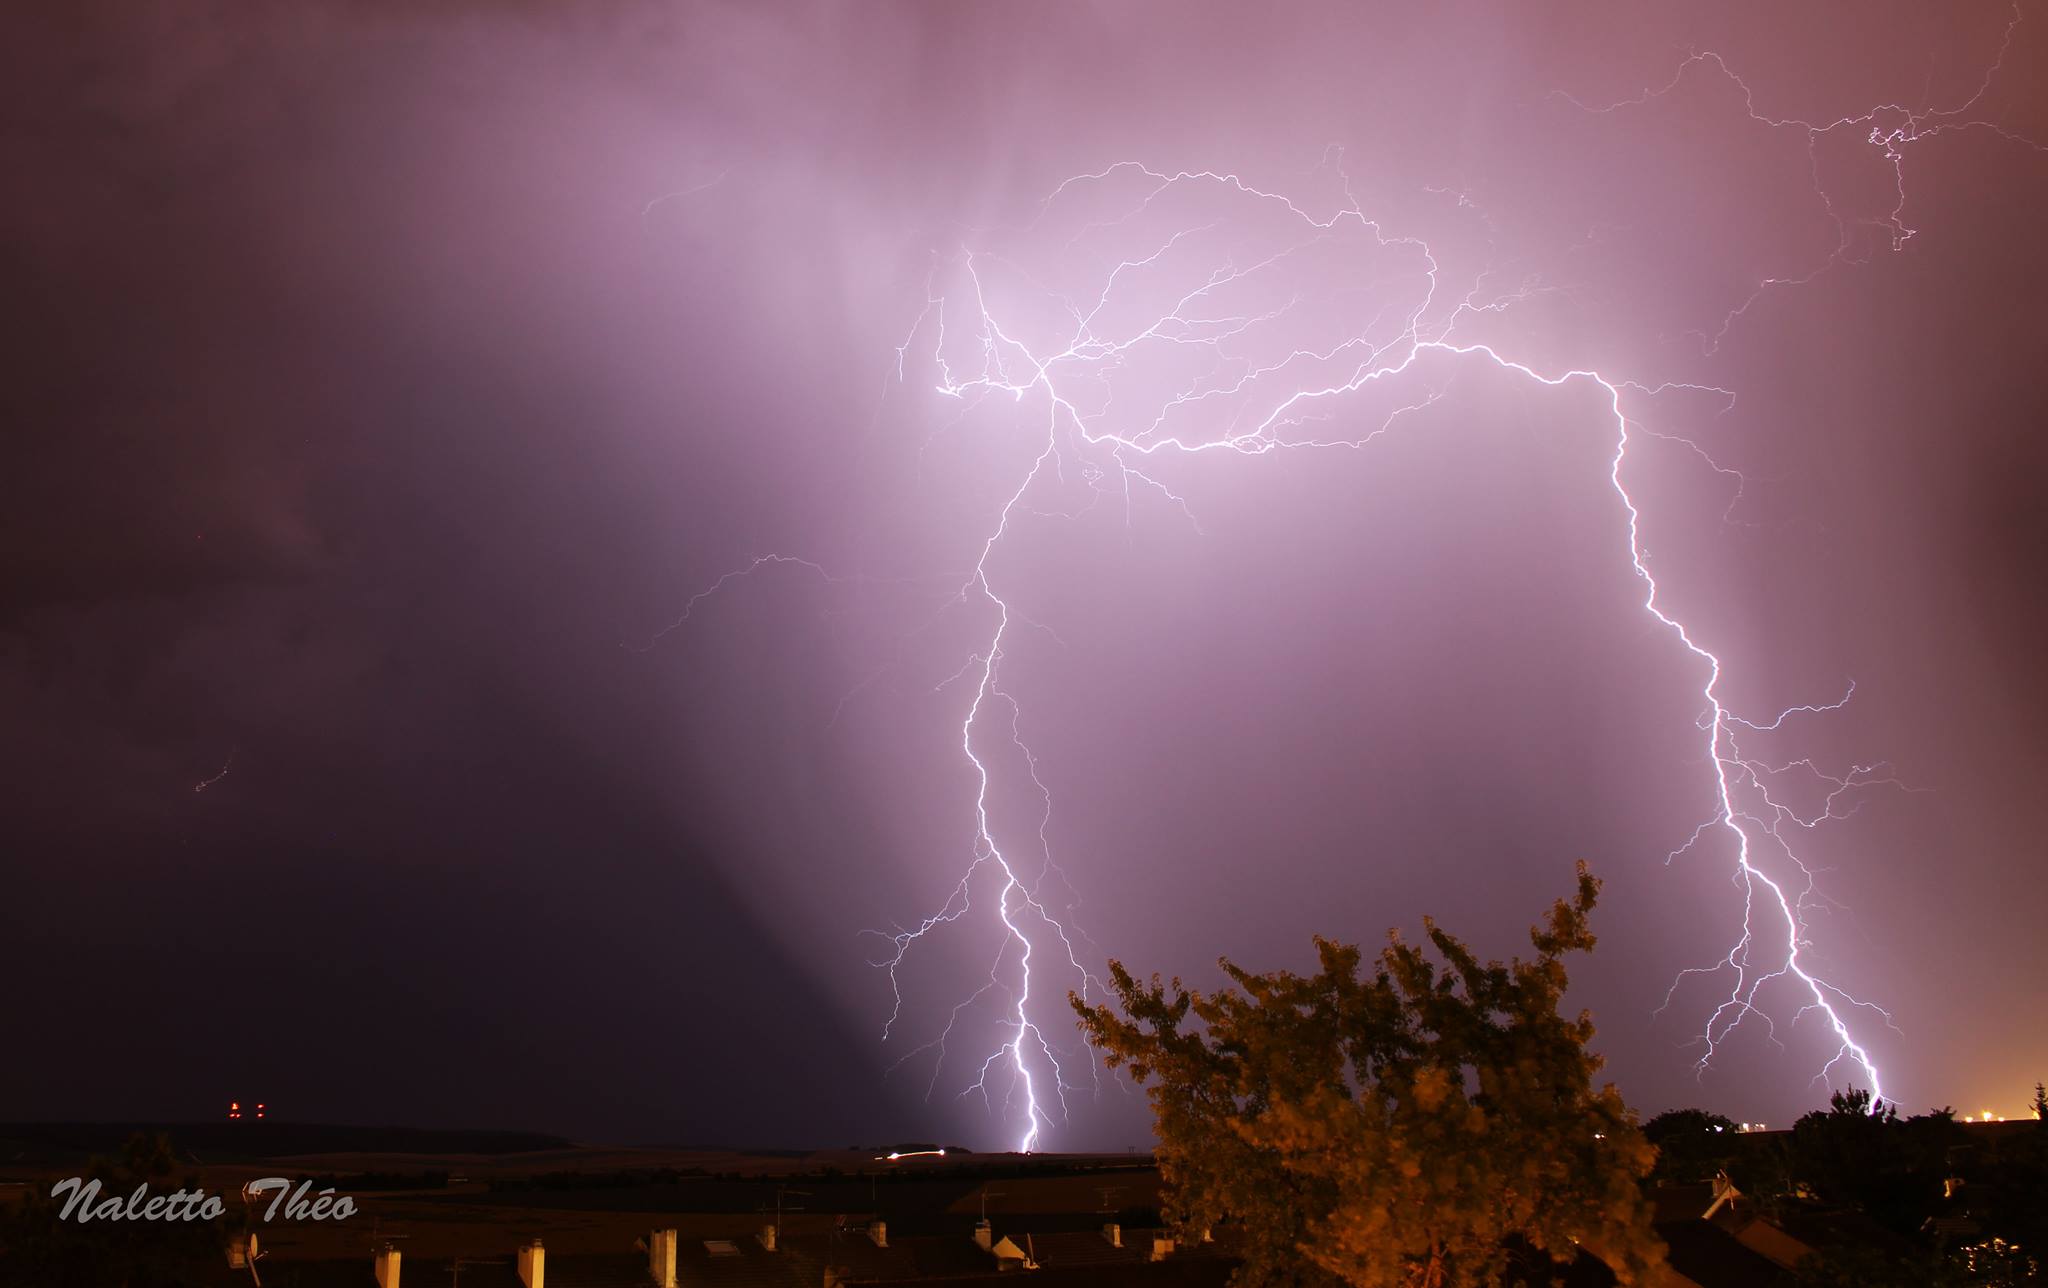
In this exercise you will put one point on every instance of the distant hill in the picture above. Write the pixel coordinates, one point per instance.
(262, 1139)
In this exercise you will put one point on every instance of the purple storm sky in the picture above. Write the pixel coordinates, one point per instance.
(386, 390)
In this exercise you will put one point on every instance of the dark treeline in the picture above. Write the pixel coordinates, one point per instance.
(1887, 1199)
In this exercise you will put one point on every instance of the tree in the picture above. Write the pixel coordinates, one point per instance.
(2007, 1193)
(1692, 1144)
(37, 1246)
(1859, 1153)
(1413, 1128)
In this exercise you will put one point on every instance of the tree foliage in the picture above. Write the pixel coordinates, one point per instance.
(1408, 1127)
(37, 1246)
(2008, 1195)
(1692, 1144)
(1863, 1155)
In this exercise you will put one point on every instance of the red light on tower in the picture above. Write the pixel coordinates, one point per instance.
(234, 1109)
(259, 1109)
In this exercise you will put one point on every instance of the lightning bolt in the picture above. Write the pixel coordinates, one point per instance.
(1010, 367)
(1116, 384)
(226, 765)
(1889, 128)
(1017, 904)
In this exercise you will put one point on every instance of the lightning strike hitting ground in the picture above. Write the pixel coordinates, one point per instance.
(1009, 366)
(1167, 321)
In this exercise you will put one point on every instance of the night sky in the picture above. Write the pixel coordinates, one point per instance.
(382, 388)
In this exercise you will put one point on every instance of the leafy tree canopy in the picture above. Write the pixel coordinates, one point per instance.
(1861, 1154)
(37, 1246)
(1411, 1126)
(1692, 1144)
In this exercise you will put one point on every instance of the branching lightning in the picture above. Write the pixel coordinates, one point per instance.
(1175, 343)
(221, 773)
(1888, 128)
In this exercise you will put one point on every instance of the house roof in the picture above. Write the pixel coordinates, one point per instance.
(1713, 1257)
(605, 1270)
(1181, 1272)
(855, 1255)
(1086, 1248)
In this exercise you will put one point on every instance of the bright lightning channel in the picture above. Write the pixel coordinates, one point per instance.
(1009, 367)
(1772, 944)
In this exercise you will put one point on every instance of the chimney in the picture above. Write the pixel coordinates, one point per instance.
(879, 1232)
(533, 1261)
(1162, 1247)
(661, 1258)
(386, 1266)
(984, 1235)
(1114, 1233)
(767, 1237)
(242, 1251)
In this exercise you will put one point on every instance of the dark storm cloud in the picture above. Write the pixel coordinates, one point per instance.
(324, 484)
(374, 376)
